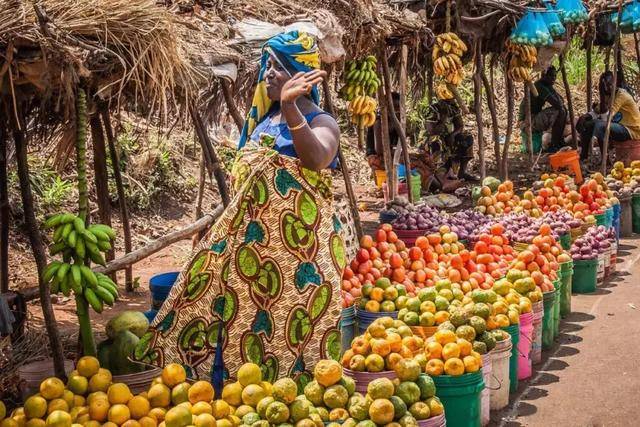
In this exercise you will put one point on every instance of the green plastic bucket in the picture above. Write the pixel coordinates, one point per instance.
(514, 331)
(557, 284)
(565, 241)
(460, 397)
(416, 185)
(548, 299)
(584, 278)
(566, 266)
(600, 219)
(565, 296)
(635, 213)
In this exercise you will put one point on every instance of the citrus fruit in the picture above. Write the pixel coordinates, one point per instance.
(335, 396)
(252, 394)
(450, 350)
(159, 396)
(380, 388)
(138, 407)
(409, 392)
(221, 409)
(299, 409)
(119, 393)
(57, 405)
(158, 414)
(35, 407)
(313, 391)
(78, 384)
(327, 372)
(249, 373)
(261, 407)
(51, 388)
(3, 411)
(145, 422)
(204, 420)
(9, 422)
(87, 366)
(99, 409)
(435, 406)
(471, 364)
(232, 394)
(407, 370)
(454, 367)
(434, 367)
(129, 423)
(37, 422)
(200, 391)
(420, 411)
(100, 381)
(173, 374)
(277, 413)
(285, 390)
(59, 419)
(178, 417)
(180, 393)
(119, 413)
(381, 411)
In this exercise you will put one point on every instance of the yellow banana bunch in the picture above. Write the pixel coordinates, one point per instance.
(443, 92)
(522, 59)
(363, 111)
(520, 74)
(360, 78)
(446, 57)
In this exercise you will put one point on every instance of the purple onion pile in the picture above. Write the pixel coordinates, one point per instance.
(418, 217)
(591, 244)
(465, 223)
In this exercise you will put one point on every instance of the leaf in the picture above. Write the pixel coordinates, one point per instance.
(307, 208)
(247, 262)
(333, 344)
(260, 192)
(338, 251)
(252, 348)
(299, 326)
(319, 301)
(166, 323)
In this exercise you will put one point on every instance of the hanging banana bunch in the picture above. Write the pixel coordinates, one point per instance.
(446, 57)
(78, 243)
(443, 92)
(522, 59)
(361, 85)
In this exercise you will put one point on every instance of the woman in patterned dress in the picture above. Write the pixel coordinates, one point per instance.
(267, 274)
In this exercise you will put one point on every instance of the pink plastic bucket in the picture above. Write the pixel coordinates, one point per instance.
(536, 340)
(362, 379)
(524, 346)
(485, 396)
(437, 421)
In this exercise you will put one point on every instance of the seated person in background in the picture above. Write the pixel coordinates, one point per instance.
(419, 161)
(553, 117)
(449, 143)
(625, 124)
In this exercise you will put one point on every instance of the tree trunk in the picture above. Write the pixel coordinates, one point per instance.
(101, 175)
(589, 72)
(386, 146)
(495, 131)
(508, 83)
(231, 104)
(636, 44)
(4, 210)
(202, 178)
(348, 185)
(614, 84)
(567, 89)
(122, 200)
(477, 101)
(38, 253)
(528, 124)
(402, 90)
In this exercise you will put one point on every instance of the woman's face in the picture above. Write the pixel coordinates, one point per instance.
(275, 77)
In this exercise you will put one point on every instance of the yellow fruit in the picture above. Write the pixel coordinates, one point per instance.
(57, 405)
(234, 420)
(327, 372)
(220, 409)
(138, 407)
(51, 388)
(203, 408)
(180, 393)
(267, 387)
(471, 364)
(78, 384)
(79, 400)
(159, 396)
(109, 424)
(201, 391)
(9, 422)
(252, 394)
(173, 374)
(243, 410)
(445, 336)
(119, 393)
(37, 422)
(158, 414)
(131, 423)
(205, 420)
(119, 413)
(147, 422)
(381, 411)
(21, 419)
(88, 366)
(100, 381)
(92, 423)
(224, 423)
(450, 350)
(59, 419)
(232, 394)
(249, 373)
(3, 411)
(99, 409)
(178, 417)
(454, 367)
(35, 407)
(98, 395)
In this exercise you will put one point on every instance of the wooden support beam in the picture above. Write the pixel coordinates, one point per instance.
(528, 122)
(384, 139)
(122, 200)
(636, 44)
(227, 92)
(4, 209)
(202, 178)
(477, 101)
(495, 131)
(212, 161)
(161, 243)
(39, 253)
(348, 185)
(509, 93)
(567, 90)
(616, 49)
(402, 90)
(589, 72)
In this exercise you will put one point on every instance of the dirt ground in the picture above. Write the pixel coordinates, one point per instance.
(590, 378)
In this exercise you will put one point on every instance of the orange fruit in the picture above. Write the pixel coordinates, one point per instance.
(450, 350)
(435, 367)
(454, 367)
(445, 336)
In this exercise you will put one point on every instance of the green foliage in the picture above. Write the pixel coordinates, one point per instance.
(50, 190)
(575, 62)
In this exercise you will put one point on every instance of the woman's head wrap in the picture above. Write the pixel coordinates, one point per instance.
(295, 52)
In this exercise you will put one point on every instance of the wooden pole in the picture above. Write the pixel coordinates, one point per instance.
(528, 123)
(495, 131)
(202, 177)
(567, 90)
(214, 166)
(100, 174)
(38, 253)
(477, 101)
(122, 200)
(402, 91)
(508, 86)
(348, 186)
(231, 104)
(4, 210)
(384, 130)
(144, 252)
(616, 48)
(636, 44)
(589, 72)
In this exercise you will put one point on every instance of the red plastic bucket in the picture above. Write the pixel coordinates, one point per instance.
(362, 379)
(524, 346)
(627, 151)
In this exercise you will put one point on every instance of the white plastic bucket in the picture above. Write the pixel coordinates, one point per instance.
(499, 390)
(485, 397)
(600, 270)
(536, 339)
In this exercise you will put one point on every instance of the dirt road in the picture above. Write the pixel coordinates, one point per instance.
(592, 376)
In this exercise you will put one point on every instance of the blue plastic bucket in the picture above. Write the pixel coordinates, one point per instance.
(365, 318)
(151, 314)
(608, 217)
(616, 220)
(348, 326)
(160, 286)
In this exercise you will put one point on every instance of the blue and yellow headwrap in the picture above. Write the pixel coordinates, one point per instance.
(296, 52)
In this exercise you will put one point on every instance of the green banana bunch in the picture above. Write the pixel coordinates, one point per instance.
(77, 243)
(360, 78)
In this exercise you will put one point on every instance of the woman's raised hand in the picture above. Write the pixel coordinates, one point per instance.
(301, 85)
